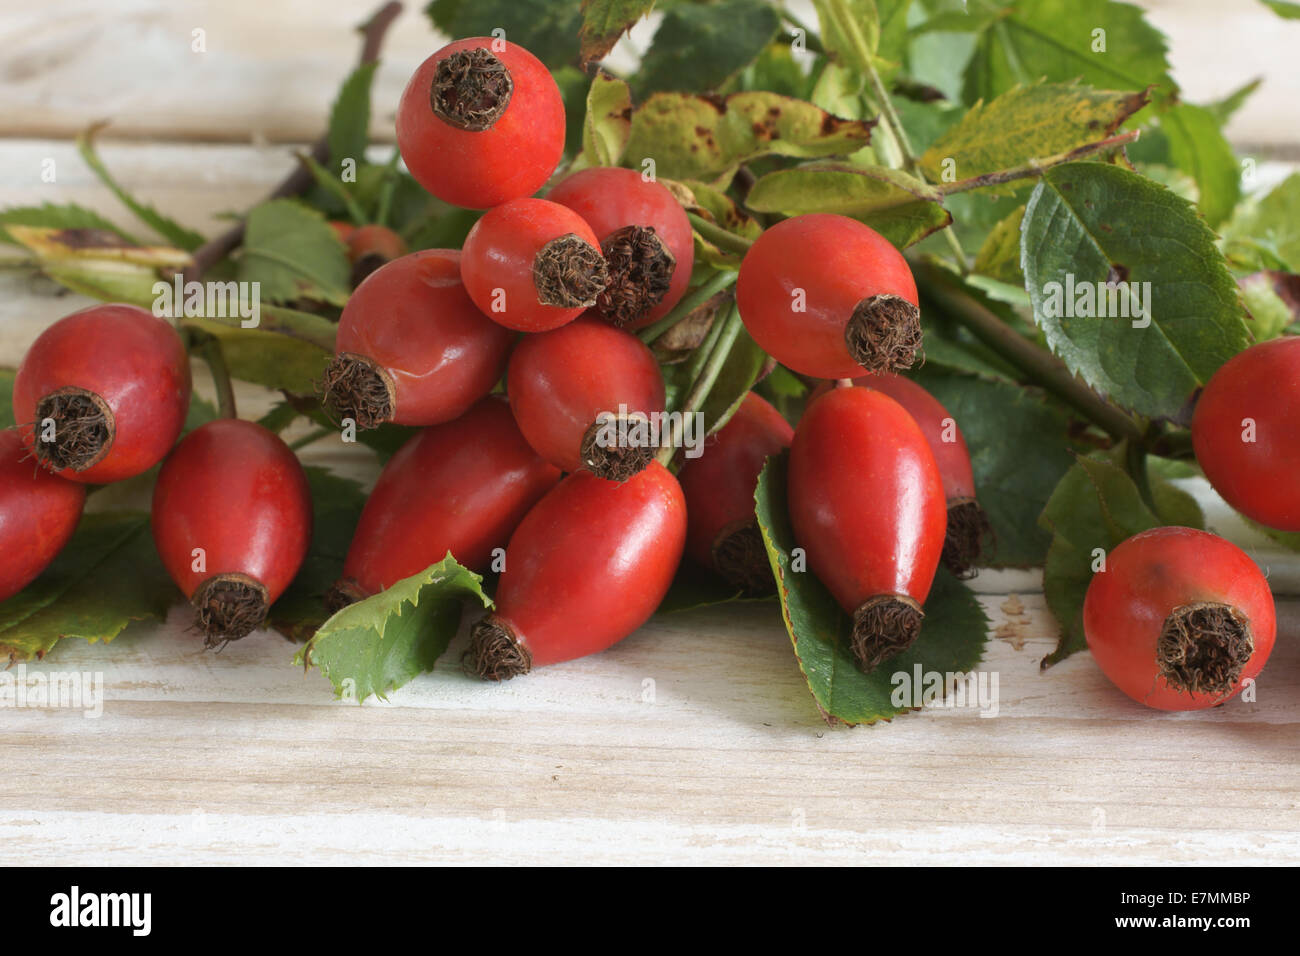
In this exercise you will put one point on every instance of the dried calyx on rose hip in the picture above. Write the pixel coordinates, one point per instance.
(828, 296)
(722, 530)
(644, 235)
(583, 396)
(460, 488)
(232, 519)
(103, 393)
(412, 348)
(1179, 619)
(867, 505)
(532, 265)
(38, 515)
(481, 122)
(587, 566)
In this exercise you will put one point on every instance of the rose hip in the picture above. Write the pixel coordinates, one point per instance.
(38, 514)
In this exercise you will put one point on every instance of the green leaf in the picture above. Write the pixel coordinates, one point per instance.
(1286, 9)
(336, 507)
(1270, 227)
(700, 47)
(108, 576)
(952, 637)
(604, 21)
(1269, 314)
(695, 587)
(267, 358)
(1019, 447)
(850, 31)
(898, 206)
(334, 187)
(1089, 223)
(695, 137)
(380, 643)
(1024, 124)
(1095, 506)
(999, 257)
(50, 216)
(1224, 109)
(292, 251)
(546, 28)
(1063, 40)
(608, 122)
(349, 129)
(1197, 147)
(166, 227)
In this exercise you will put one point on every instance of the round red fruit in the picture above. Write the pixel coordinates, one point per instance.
(103, 393)
(1179, 619)
(532, 265)
(867, 505)
(827, 296)
(481, 122)
(1246, 432)
(586, 567)
(644, 235)
(232, 519)
(722, 532)
(412, 348)
(38, 514)
(461, 487)
(583, 396)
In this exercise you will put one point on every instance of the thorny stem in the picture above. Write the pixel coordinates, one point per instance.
(216, 359)
(1036, 167)
(219, 246)
(701, 295)
(730, 331)
(719, 236)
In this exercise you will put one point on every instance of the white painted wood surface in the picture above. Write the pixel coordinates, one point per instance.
(695, 740)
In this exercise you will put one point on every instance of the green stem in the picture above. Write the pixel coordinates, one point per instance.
(702, 351)
(1039, 366)
(386, 191)
(1135, 463)
(1036, 167)
(697, 298)
(719, 236)
(312, 436)
(216, 359)
(729, 332)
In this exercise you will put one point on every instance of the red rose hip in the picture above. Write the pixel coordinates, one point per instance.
(867, 505)
(232, 519)
(412, 348)
(587, 566)
(103, 393)
(38, 514)
(481, 122)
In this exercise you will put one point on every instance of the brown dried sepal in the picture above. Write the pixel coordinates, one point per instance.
(640, 273)
(84, 429)
(569, 272)
(1204, 647)
(883, 626)
(884, 333)
(471, 89)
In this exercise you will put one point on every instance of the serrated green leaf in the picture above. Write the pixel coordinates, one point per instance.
(1266, 234)
(898, 206)
(64, 216)
(349, 127)
(604, 21)
(1224, 109)
(292, 251)
(267, 358)
(608, 122)
(1087, 224)
(1024, 124)
(999, 257)
(695, 137)
(952, 636)
(108, 576)
(380, 643)
(546, 28)
(1197, 146)
(700, 47)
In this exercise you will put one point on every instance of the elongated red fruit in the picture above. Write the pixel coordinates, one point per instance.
(38, 514)
(462, 487)
(102, 394)
(722, 532)
(481, 122)
(532, 265)
(560, 384)
(644, 235)
(232, 520)
(827, 296)
(867, 505)
(1179, 619)
(412, 348)
(1246, 432)
(587, 566)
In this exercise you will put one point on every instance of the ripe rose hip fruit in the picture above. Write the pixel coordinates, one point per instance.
(587, 566)
(462, 487)
(232, 519)
(38, 514)
(867, 505)
(369, 247)
(1246, 432)
(481, 122)
(578, 394)
(722, 532)
(103, 393)
(827, 296)
(1179, 619)
(412, 348)
(644, 235)
(532, 265)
